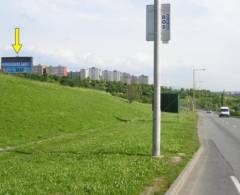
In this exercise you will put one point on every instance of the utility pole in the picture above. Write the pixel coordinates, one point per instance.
(157, 87)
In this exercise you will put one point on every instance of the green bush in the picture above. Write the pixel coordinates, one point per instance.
(235, 113)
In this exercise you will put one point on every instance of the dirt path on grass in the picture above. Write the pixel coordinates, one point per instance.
(67, 135)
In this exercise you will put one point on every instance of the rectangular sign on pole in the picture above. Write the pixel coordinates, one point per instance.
(150, 23)
(166, 31)
(165, 23)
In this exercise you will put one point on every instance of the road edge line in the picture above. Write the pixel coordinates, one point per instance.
(182, 178)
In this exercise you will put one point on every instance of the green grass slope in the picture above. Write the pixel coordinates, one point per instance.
(32, 110)
(77, 141)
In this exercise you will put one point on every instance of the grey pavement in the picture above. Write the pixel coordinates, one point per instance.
(220, 159)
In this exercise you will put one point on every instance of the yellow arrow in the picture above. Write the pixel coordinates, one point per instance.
(17, 46)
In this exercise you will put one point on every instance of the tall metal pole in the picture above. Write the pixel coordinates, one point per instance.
(222, 101)
(194, 88)
(157, 88)
(194, 93)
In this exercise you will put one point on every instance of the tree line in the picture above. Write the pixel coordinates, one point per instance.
(143, 93)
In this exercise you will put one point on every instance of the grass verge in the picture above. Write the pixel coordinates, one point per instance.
(75, 141)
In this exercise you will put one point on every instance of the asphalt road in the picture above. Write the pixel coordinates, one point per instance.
(217, 171)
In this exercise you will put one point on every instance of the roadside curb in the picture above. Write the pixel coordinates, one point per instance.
(182, 178)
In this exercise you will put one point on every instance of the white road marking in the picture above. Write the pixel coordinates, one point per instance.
(236, 183)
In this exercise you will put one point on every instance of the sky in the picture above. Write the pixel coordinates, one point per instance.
(111, 34)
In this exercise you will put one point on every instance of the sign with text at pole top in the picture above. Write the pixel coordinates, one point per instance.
(165, 23)
(165, 13)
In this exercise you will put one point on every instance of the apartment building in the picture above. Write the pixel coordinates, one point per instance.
(60, 71)
(84, 74)
(95, 74)
(39, 69)
(126, 78)
(134, 79)
(74, 75)
(116, 76)
(143, 79)
(107, 75)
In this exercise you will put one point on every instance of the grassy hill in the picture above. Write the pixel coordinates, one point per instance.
(32, 110)
(60, 140)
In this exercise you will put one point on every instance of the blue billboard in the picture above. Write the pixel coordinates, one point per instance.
(15, 65)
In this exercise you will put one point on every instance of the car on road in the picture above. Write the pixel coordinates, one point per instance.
(224, 112)
(209, 111)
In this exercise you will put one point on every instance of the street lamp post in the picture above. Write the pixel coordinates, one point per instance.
(194, 87)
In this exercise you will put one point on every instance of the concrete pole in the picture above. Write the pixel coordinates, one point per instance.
(157, 87)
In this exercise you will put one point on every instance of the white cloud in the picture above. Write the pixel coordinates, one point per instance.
(137, 63)
(111, 34)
